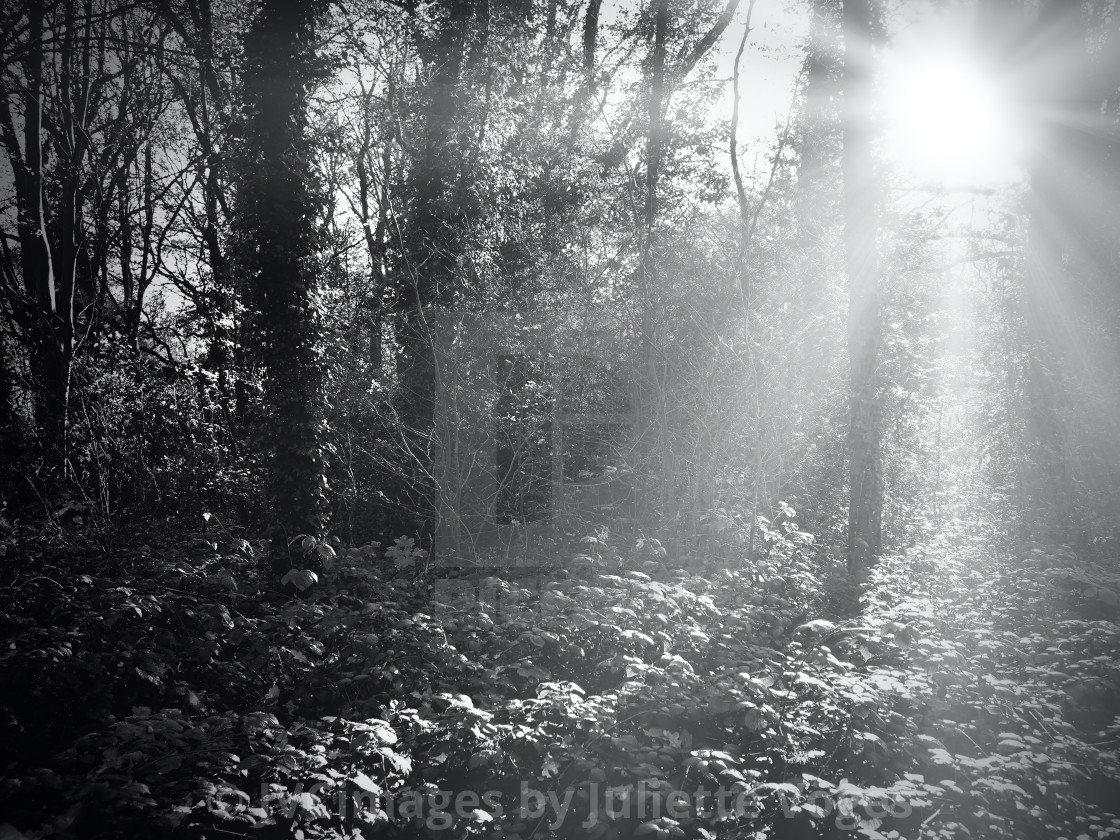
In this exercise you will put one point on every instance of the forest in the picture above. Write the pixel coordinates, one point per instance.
(560, 419)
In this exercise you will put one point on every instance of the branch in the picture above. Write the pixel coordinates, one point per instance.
(688, 60)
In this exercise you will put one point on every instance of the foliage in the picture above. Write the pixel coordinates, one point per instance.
(173, 689)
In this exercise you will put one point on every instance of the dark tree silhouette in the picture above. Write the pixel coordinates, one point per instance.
(275, 224)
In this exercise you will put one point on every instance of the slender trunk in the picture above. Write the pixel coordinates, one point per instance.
(128, 282)
(745, 215)
(381, 243)
(655, 145)
(733, 140)
(653, 384)
(373, 247)
(375, 230)
(147, 235)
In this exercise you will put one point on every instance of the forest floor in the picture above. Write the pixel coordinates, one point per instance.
(173, 690)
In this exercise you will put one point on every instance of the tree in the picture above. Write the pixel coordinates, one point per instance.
(865, 467)
(818, 129)
(79, 109)
(438, 191)
(276, 233)
(45, 309)
(201, 81)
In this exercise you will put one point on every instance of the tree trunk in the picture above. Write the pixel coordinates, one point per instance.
(819, 122)
(375, 229)
(427, 276)
(587, 89)
(655, 144)
(277, 207)
(861, 199)
(652, 397)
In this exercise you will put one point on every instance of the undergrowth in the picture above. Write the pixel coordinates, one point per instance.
(172, 690)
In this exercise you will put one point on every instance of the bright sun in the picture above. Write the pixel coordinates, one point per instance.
(947, 120)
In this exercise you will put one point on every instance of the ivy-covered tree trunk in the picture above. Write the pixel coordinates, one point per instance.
(819, 122)
(865, 465)
(277, 205)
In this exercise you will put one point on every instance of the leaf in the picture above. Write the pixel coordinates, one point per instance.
(635, 634)
(481, 757)
(380, 730)
(167, 764)
(309, 803)
(401, 763)
(807, 679)
(818, 625)
(753, 720)
(779, 787)
(301, 579)
(367, 784)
